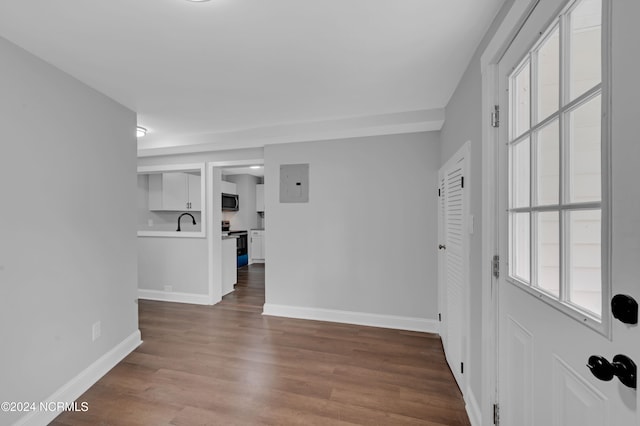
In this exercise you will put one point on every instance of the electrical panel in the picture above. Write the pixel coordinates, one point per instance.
(294, 183)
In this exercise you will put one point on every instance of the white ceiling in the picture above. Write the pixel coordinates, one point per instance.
(226, 72)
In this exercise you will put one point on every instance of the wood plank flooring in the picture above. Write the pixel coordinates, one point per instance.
(229, 365)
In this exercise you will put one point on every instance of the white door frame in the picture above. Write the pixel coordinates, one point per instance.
(506, 32)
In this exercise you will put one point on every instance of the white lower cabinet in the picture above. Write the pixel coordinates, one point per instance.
(229, 265)
(257, 246)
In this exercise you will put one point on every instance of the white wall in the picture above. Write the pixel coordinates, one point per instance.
(67, 227)
(367, 240)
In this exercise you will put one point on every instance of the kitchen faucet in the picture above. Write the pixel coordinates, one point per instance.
(180, 217)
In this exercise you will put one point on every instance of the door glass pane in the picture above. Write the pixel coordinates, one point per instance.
(554, 240)
(520, 247)
(521, 101)
(584, 152)
(520, 173)
(548, 164)
(549, 76)
(585, 272)
(548, 252)
(585, 47)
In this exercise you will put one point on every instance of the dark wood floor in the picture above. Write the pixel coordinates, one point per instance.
(229, 365)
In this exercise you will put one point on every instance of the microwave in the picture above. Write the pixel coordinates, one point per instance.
(230, 202)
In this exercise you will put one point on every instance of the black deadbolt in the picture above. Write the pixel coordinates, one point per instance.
(600, 367)
(624, 308)
(622, 367)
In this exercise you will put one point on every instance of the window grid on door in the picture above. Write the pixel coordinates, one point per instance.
(555, 162)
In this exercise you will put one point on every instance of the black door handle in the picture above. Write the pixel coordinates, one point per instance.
(624, 308)
(441, 247)
(622, 367)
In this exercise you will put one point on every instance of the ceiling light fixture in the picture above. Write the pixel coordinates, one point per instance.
(140, 131)
(255, 167)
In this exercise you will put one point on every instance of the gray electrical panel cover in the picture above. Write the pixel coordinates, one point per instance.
(294, 183)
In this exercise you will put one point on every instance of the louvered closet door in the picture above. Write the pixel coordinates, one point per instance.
(442, 259)
(455, 265)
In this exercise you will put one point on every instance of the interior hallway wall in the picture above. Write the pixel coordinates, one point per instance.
(366, 242)
(68, 227)
(463, 122)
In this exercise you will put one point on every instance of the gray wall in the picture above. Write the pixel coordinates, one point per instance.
(177, 262)
(68, 226)
(367, 240)
(463, 122)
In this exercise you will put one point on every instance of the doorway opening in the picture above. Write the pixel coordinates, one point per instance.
(238, 222)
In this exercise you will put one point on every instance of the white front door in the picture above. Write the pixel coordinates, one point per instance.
(569, 225)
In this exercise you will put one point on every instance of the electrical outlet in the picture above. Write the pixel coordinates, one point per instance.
(150, 223)
(168, 288)
(95, 331)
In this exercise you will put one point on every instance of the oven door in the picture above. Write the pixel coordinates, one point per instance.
(230, 202)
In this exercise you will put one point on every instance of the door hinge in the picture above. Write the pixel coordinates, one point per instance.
(462, 368)
(440, 317)
(495, 116)
(496, 414)
(495, 266)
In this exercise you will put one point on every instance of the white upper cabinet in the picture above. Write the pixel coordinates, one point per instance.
(174, 187)
(193, 189)
(229, 188)
(260, 197)
(174, 191)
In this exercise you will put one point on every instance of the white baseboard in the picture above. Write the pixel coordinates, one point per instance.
(74, 388)
(257, 261)
(358, 318)
(472, 407)
(172, 296)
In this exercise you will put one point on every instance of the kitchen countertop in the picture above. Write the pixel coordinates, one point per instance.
(226, 235)
(171, 234)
